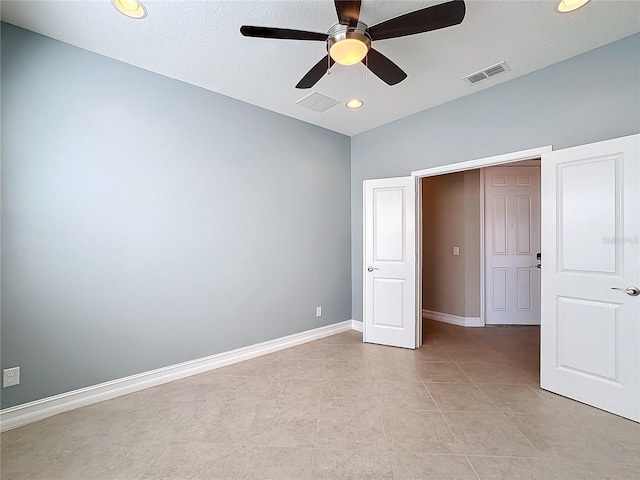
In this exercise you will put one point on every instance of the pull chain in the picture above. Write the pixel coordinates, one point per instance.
(366, 73)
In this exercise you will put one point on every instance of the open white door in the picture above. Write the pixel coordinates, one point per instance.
(390, 308)
(590, 333)
(512, 241)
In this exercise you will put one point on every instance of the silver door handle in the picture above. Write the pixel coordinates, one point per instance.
(371, 269)
(539, 265)
(632, 291)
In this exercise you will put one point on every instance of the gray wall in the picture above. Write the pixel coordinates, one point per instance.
(147, 222)
(588, 98)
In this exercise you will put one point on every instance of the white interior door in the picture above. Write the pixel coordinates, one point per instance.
(590, 333)
(390, 306)
(512, 241)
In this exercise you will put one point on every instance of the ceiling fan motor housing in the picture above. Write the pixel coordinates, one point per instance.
(341, 32)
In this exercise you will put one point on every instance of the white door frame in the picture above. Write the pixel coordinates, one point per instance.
(530, 154)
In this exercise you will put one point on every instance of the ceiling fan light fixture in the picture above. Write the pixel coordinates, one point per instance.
(348, 45)
(130, 8)
(566, 6)
(348, 51)
(354, 103)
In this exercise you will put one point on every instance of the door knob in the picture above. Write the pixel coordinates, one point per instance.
(371, 269)
(632, 291)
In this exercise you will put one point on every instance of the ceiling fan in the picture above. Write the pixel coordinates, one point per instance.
(349, 40)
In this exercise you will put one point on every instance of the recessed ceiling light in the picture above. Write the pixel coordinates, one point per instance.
(355, 103)
(570, 5)
(130, 8)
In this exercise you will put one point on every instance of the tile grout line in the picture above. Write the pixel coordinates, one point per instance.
(505, 456)
(472, 467)
(315, 433)
(154, 460)
(384, 431)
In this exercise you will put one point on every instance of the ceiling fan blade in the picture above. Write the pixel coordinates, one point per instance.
(430, 18)
(283, 33)
(348, 12)
(316, 73)
(385, 69)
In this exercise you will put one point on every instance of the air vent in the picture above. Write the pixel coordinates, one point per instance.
(317, 102)
(489, 72)
(476, 77)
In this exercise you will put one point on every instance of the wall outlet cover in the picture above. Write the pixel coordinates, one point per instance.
(318, 311)
(11, 377)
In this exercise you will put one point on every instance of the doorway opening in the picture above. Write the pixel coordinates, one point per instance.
(466, 295)
(481, 246)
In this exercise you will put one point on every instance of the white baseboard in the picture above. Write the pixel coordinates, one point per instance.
(356, 325)
(453, 319)
(39, 409)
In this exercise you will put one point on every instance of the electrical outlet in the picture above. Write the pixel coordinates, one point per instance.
(11, 377)
(456, 251)
(318, 311)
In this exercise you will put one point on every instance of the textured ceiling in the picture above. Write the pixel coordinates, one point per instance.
(199, 42)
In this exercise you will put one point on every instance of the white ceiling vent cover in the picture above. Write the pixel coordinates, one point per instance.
(488, 72)
(317, 102)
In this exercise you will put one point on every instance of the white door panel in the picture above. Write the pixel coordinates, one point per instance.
(512, 240)
(590, 335)
(390, 310)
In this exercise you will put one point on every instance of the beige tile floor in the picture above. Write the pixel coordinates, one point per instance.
(464, 406)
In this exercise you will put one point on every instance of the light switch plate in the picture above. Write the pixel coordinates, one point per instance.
(456, 250)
